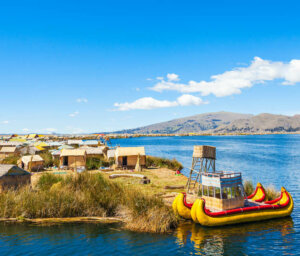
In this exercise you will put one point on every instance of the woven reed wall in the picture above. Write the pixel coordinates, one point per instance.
(204, 152)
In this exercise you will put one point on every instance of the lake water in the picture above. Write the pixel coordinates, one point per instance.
(269, 159)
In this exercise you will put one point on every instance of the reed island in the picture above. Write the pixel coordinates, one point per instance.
(50, 180)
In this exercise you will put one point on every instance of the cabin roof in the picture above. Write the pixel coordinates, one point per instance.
(75, 142)
(10, 143)
(54, 143)
(35, 158)
(8, 149)
(65, 147)
(13, 169)
(130, 151)
(73, 152)
(94, 151)
(90, 142)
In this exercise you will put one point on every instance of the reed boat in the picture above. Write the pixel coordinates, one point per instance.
(221, 199)
(183, 208)
(278, 208)
(252, 211)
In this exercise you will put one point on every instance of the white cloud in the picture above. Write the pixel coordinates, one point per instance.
(5, 122)
(74, 114)
(151, 103)
(187, 100)
(231, 82)
(173, 77)
(82, 100)
(25, 130)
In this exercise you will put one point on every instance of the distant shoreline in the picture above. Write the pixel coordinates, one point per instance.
(124, 136)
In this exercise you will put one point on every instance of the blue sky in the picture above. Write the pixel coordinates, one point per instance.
(92, 66)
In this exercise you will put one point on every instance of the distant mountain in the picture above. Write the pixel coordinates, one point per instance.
(223, 122)
(263, 123)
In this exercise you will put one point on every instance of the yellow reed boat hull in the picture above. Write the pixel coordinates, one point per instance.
(188, 211)
(180, 208)
(281, 208)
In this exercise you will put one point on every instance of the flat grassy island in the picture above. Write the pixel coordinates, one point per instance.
(56, 197)
(92, 196)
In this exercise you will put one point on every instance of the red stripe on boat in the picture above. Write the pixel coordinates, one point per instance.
(260, 199)
(185, 202)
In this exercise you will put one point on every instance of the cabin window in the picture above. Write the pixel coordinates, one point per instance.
(218, 193)
(224, 193)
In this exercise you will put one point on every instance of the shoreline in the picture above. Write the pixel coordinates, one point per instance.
(55, 221)
(128, 136)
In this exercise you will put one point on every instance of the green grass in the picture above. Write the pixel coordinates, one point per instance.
(94, 163)
(47, 156)
(271, 193)
(152, 161)
(88, 195)
(248, 187)
(11, 160)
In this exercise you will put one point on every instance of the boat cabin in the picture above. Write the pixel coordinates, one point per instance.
(222, 190)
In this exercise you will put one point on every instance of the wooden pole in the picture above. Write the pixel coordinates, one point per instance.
(30, 164)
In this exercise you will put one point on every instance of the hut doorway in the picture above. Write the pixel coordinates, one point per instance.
(124, 161)
(65, 161)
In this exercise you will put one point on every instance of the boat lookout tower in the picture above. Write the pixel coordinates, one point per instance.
(204, 158)
(221, 190)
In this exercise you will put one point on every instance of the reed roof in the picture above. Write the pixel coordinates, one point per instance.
(33, 158)
(73, 152)
(75, 142)
(6, 169)
(94, 151)
(130, 151)
(8, 149)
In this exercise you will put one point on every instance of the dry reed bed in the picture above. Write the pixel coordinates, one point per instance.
(88, 195)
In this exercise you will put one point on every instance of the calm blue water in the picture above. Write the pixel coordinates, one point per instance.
(270, 159)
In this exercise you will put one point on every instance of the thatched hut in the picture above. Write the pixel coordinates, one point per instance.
(12, 176)
(95, 152)
(75, 143)
(32, 136)
(32, 150)
(32, 162)
(73, 158)
(91, 143)
(10, 144)
(8, 151)
(128, 156)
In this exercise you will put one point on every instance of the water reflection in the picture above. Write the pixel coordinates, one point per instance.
(236, 240)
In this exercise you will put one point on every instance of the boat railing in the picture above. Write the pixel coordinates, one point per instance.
(222, 174)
